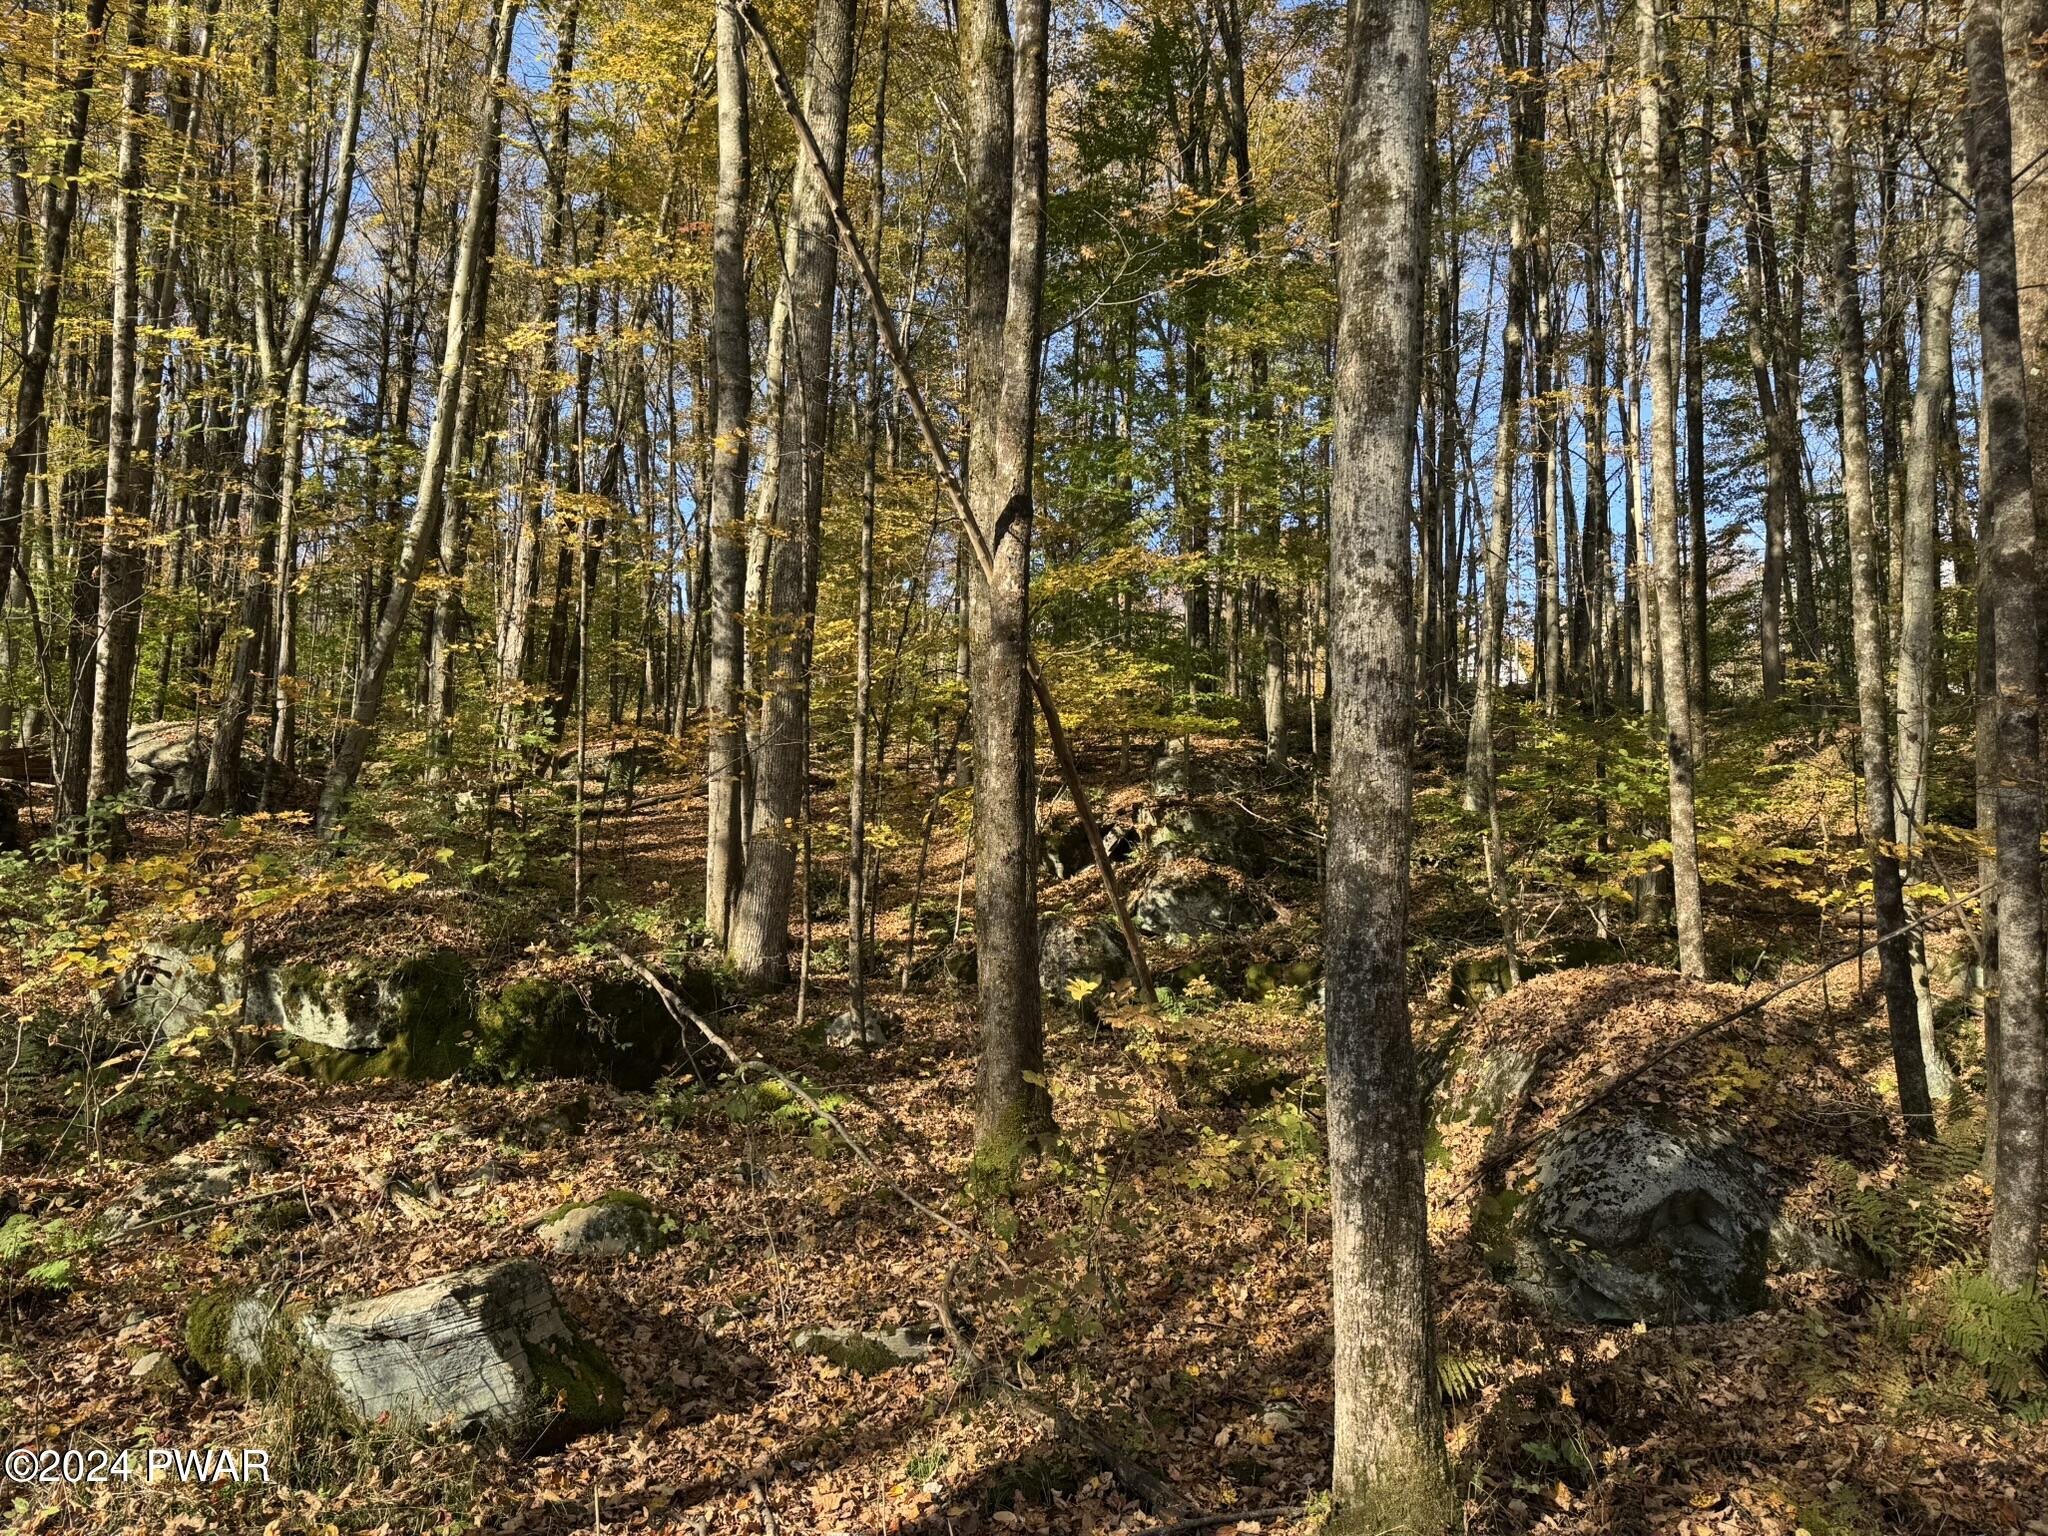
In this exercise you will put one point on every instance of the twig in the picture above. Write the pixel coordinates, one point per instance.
(768, 1520)
(685, 1014)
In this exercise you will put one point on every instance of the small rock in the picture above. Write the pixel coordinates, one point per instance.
(849, 1031)
(863, 1353)
(617, 1223)
(157, 1372)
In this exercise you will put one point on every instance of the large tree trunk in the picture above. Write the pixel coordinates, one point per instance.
(758, 941)
(1681, 750)
(1866, 601)
(1388, 1471)
(423, 526)
(1004, 81)
(725, 526)
(2009, 557)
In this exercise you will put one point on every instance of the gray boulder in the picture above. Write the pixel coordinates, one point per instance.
(487, 1350)
(1193, 906)
(167, 764)
(178, 981)
(1635, 1221)
(850, 1031)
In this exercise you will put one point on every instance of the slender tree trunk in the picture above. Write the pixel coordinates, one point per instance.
(1920, 576)
(59, 213)
(522, 582)
(758, 940)
(726, 512)
(1680, 749)
(121, 572)
(864, 610)
(1389, 1472)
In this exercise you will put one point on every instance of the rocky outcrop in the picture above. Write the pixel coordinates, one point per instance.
(1182, 906)
(414, 1017)
(1635, 1221)
(851, 1031)
(485, 1351)
(1622, 1157)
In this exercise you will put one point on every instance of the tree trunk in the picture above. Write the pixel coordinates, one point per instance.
(2009, 557)
(864, 602)
(1680, 748)
(1388, 1471)
(423, 526)
(59, 213)
(758, 940)
(726, 511)
(1004, 82)
(1920, 577)
(1866, 600)
(120, 596)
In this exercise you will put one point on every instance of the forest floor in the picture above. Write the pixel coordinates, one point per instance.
(1163, 1277)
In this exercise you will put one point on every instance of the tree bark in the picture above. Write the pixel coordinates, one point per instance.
(758, 940)
(726, 514)
(120, 597)
(2010, 563)
(1003, 78)
(1389, 1471)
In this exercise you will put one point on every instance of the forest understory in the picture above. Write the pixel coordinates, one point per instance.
(1160, 1278)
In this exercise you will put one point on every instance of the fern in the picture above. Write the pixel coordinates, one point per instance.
(1461, 1376)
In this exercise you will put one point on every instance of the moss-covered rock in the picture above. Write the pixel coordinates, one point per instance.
(415, 1018)
(616, 1222)
(486, 1351)
(864, 1354)
(608, 1027)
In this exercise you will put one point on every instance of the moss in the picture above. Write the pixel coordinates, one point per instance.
(626, 1198)
(578, 1387)
(859, 1353)
(426, 1010)
(1022, 1129)
(280, 1369)
(611, 1028)
(1400, 1501)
